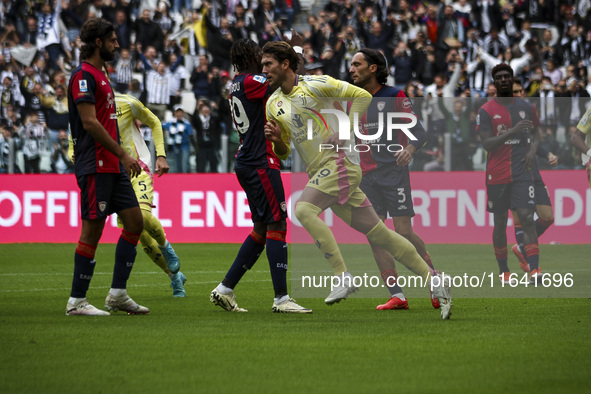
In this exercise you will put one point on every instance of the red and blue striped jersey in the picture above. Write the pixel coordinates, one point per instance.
(248, 98)
(379, 153)
(89, 84)
(505, 164)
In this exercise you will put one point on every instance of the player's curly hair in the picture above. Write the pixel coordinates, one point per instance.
(90, 31)
(281, 51)
(501, 67)
(373, 56)
(245, 54)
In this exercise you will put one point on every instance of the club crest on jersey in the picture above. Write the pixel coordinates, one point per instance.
(284, 206)
(102, 206)
(83, 85)
(522, 114)
(406, 103)
(381, 105)
(279, 104)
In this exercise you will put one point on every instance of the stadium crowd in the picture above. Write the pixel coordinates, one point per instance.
(176, 53)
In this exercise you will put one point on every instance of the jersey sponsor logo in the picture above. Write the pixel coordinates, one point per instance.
(280, 112)
(381, 105)
(513, 142)
(144, 197)
(490, 204)
(478, 119)
(83, 85)
(522, 114)
(497, 117)
(102, 206)
(402, 207)
(103, 83)
(584, 120)
(260, 78)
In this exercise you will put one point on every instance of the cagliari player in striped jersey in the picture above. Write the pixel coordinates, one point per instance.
(257, 169)
(508, 129)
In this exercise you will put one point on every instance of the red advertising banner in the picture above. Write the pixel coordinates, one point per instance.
(450, 208)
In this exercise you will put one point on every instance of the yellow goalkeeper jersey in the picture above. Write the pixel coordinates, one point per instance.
(302, 120)
(128, 110)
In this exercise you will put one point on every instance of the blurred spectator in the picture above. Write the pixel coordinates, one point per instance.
(34, 140)
(179, 135)
(157, 85)
(208, 132)
(60, 163)
(203, 81)
(123, 29)
(463, 143)
(56, 107)
(123, 71)
(402, 66)
(9, 144)
(547, 105)
(48, 33)
(148, 32)
(177, 81)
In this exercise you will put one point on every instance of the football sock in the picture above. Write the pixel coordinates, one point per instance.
(501, 255)
(151, 248)
(390, 278)
(249, 252)
(154, 228)
(277, 256)
(84, 264)
(280, 299)
(125, 253)
(542, 225)
(400, 248)
(224, 289)
(427, 258)
(519, 237)
(532, 255)
(324, 239)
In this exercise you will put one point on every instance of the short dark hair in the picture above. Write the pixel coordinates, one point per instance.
(281, 51)
(373, 56)
(90, 31)
(501, 67)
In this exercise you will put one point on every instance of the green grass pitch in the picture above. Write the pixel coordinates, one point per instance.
(190, 346)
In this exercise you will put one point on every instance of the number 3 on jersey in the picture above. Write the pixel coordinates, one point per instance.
(239, 115)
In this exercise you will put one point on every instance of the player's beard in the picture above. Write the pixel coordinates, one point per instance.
(106, 55)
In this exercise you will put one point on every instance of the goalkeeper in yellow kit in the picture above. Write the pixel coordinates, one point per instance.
(153, 239)
(335, 173)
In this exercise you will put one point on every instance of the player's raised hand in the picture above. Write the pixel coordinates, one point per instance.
(162, 166)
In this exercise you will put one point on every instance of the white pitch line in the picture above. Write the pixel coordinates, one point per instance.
(129, 286)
